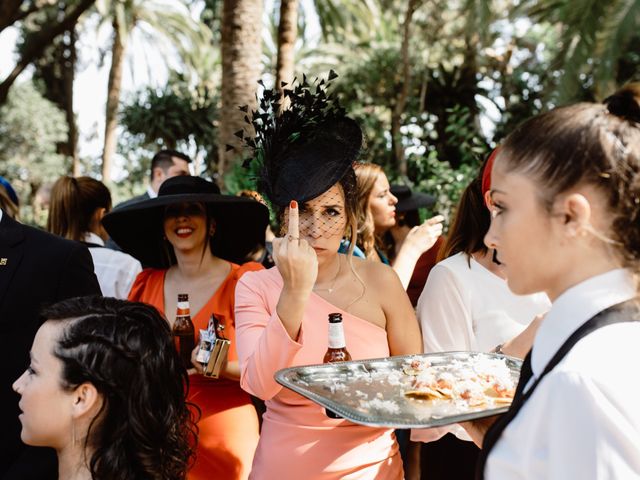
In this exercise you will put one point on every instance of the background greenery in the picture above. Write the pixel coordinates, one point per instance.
(435, 85)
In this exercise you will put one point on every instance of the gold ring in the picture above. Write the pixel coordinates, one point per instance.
(291, 237)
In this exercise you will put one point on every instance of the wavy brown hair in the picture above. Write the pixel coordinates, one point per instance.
(366, 175)
(145, 429)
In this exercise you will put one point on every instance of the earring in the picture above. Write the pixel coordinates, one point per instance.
(73, 433)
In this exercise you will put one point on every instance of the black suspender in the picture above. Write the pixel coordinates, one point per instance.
(628, 311)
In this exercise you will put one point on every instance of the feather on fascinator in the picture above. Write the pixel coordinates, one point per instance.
(307, 148)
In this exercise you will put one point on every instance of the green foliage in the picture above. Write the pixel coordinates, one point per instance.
(438, 178)
(30, 128)
(463, 132)
(595, 36)
(171, 117)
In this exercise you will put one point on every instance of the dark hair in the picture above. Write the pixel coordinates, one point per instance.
(73, 203)
(145, 429)
(586, 143)
(164, 160)
(470, 223)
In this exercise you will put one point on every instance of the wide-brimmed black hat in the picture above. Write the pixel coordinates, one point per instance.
(138, 227)
(408, 200)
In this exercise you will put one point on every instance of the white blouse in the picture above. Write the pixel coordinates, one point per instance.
(465, 307)
(583, 420)
(116, 271)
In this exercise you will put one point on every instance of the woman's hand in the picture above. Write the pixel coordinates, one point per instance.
(419, 239)
(295, 259)
(298, 265)
(422, 237)
(478, 428)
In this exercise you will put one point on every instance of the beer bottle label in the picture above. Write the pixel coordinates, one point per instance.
(183, 309)
(336, 336)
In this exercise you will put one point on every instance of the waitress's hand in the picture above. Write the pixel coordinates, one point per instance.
(295, 259)
(422, 237)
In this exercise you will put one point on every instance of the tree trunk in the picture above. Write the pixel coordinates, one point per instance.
(69, 77)
(39, 43)
(113, 99)
(241, 51)
(287, 34)
(401, 99)
(55, 69)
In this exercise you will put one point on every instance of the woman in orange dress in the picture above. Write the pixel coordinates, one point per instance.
(192, 220)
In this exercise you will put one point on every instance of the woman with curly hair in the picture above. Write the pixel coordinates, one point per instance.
(106, 389)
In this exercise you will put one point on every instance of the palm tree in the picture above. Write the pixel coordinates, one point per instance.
(287, 34)
(157, 20)
(594, 36)
(241, 69)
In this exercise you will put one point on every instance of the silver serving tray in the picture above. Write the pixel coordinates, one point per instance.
(348, 387)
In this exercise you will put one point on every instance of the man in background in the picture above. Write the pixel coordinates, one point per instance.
(164, 164)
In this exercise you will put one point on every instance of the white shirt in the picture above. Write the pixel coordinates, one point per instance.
(151, 192)
(466, 307)
(583, 420)
(116, 271)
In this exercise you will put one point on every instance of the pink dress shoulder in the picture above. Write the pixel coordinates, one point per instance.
(298, 440)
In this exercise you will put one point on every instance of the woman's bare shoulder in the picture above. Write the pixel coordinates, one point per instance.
(374, 273)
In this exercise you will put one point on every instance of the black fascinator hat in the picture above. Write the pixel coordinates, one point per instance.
(305, 149)
(138, 227)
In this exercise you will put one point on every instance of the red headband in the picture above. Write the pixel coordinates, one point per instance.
(486, 173)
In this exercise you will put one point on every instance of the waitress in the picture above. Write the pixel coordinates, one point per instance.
(565, 200)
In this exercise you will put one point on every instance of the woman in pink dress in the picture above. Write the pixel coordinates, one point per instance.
(281, 313)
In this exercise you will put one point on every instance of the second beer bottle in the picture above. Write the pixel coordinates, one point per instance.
(337, 351)
(183, 330)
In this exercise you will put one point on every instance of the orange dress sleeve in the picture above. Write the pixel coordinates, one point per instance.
(147, 288)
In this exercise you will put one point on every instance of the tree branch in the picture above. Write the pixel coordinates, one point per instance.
(39, 42)
(7, 21)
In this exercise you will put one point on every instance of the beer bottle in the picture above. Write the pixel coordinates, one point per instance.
(337, 351)
(183, 330)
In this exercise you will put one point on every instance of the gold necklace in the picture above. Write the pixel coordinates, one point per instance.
(333, 283)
